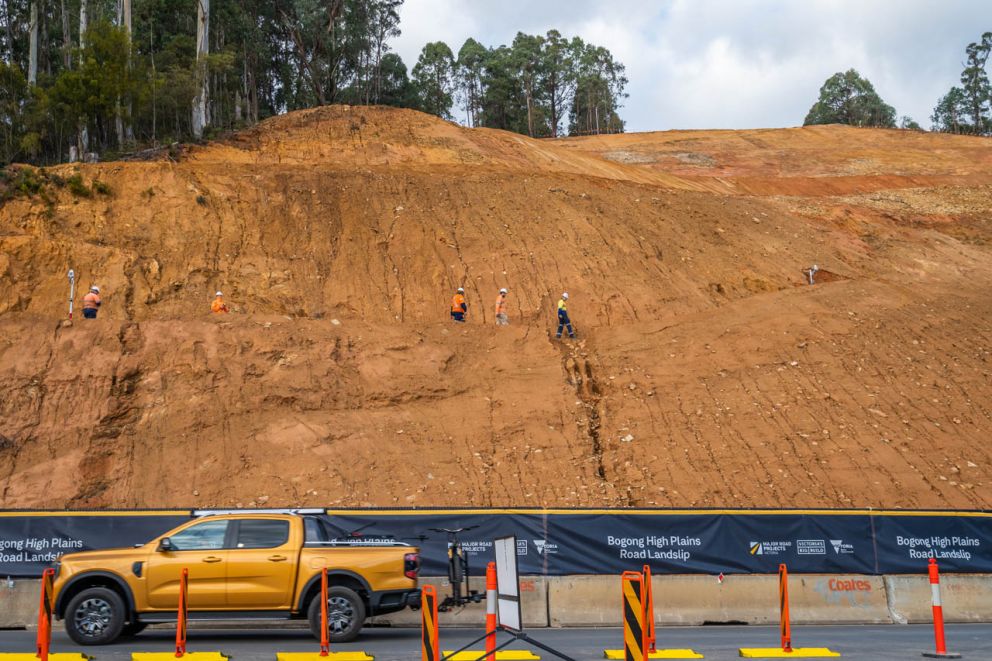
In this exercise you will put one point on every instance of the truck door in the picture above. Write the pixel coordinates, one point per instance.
(262, 565)
(200, 548)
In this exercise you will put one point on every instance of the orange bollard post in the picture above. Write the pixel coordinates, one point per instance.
(325, 635)
(785, 627)
(785, 649)
(938, 615)
(325, 643)
(44, 637)
(182, 628)
(491, 611)
(649, 634)
(429, 644)
(182, 613)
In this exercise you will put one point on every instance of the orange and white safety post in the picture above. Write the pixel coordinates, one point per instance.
(785, 648)
(492, 626)
(938, 615)
(491, 611)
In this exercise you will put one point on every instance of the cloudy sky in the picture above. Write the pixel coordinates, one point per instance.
(732, 63)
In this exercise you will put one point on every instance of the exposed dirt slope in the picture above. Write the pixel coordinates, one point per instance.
(706, 373)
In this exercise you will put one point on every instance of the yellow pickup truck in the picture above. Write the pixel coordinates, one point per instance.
(241, 567)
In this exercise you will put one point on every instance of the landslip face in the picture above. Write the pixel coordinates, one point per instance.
(706, 372)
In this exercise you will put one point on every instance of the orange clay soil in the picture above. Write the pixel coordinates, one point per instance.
(705, 374)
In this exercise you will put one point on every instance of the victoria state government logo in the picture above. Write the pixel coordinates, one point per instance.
(841, 547)
(545, 547)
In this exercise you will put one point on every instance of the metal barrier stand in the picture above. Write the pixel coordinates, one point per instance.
(492, 651)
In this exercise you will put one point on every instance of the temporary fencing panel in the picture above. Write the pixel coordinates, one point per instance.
(562, 542)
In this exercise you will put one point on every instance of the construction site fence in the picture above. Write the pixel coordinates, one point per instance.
(578, 542)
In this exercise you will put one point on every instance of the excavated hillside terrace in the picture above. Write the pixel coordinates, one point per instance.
(706, 371)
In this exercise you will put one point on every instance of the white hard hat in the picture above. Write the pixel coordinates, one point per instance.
(95, 289)
(461, 290)
(564, 295)
(503, 290)
(219, 294)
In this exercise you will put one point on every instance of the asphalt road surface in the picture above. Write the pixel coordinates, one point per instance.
(857, 643)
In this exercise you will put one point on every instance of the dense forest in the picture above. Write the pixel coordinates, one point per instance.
(87, 79)
(97, 78)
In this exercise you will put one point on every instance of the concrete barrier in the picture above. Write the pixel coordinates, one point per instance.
(689, 599)
(965, 597)
(567, 601)
(533, 605)
(19, 604)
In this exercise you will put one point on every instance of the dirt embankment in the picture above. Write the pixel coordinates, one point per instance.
(706, 373)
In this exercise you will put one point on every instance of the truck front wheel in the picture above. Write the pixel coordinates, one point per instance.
(345, 615)
(95, 616)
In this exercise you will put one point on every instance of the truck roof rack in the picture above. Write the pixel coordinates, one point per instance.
(298, 511)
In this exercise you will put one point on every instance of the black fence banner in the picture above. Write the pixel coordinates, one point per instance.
(904, 543)
(31, 541)
(562, 542)
(421, 529)
(728, 543)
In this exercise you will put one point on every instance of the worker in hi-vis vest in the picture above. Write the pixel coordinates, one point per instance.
(219, 306)
(91, 303)
(563, 320)
(458, 305)
(501, 318)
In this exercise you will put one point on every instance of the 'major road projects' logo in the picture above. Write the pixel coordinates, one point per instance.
(769, 548)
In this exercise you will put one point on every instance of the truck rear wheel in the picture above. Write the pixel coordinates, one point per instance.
(345, 615)
(95, 616)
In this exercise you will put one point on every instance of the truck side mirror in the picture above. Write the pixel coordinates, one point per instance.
(165, 544)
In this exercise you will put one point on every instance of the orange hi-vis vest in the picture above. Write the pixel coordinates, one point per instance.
(500, 305)
(458, 303)
(218, 306)
(91, 301)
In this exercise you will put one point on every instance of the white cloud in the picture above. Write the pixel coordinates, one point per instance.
(732, 63)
